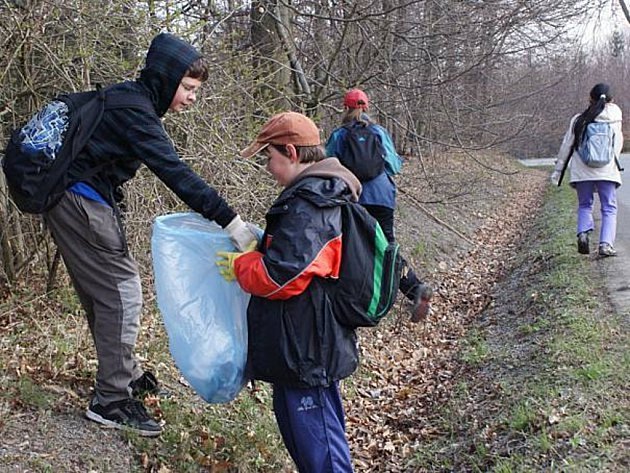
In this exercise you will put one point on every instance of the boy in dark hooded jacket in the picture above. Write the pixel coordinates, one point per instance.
(85, 223)
(295, 341)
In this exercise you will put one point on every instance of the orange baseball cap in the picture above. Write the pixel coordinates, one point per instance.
(287, 128)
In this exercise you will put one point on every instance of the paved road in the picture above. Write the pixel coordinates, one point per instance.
(617, 270)
(537, 162)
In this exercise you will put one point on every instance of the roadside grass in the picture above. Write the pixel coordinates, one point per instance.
(543, 385)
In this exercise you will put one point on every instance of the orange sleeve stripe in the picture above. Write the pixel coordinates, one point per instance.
(254, 278)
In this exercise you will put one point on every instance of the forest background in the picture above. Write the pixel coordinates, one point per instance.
(465, 87)
(443, 76)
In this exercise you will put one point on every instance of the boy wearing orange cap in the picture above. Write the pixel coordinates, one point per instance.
(295, 342)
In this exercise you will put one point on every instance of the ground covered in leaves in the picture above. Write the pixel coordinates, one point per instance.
(412, 368)
(426, 397)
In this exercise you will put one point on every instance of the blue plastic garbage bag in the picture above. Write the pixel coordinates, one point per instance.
(205, 316)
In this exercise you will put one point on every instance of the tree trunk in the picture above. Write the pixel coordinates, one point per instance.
(271, 65)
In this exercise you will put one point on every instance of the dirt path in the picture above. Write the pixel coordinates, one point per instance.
(60, 440)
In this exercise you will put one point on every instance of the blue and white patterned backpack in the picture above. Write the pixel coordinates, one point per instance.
(39, 154)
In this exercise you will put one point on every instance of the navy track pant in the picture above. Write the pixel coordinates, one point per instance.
(312, 425)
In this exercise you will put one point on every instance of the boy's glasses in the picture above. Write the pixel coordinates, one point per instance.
(263, 157)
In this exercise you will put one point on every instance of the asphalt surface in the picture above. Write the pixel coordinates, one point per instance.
(537, 162)
(617, 269)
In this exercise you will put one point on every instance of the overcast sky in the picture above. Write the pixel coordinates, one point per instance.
(604, 22)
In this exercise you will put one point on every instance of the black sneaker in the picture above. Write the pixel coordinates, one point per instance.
(145, 385)
(128, 414)
(582, 242)
(606, 249)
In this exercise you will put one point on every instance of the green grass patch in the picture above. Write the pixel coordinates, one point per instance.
(549, 385)
(475, 348)
(32, 394)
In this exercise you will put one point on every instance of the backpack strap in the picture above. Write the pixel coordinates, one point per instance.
(566, 163)
(616, 158)
(127, 99)
(116, 101)
(355, 123)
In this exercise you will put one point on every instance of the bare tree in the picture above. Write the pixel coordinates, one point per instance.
(269, 32)
(442, 74)
(624, 7)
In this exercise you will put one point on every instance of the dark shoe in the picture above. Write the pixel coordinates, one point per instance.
(606, 249)
(422, 303)
(145, 385)
(128, 414)
(583, 246)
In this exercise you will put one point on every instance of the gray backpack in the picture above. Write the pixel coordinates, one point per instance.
(597, 147)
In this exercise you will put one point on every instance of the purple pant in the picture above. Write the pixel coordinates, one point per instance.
(607, 192)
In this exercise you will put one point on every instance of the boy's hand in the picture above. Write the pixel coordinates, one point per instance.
(241, 233)
(555, 178)
(225, 262)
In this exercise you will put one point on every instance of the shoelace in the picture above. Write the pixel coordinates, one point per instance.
(136, 407)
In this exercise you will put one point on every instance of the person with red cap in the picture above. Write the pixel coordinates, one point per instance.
(295, 341)
(368, 151)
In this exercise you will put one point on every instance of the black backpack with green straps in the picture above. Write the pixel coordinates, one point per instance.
(370, 270)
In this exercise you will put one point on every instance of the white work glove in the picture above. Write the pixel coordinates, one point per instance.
(555, 178)
(241, 233)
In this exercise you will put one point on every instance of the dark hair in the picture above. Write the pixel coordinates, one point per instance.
(198, 70)
(306, 154)
(600, 95)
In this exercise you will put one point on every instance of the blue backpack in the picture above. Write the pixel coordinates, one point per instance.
(597, 147)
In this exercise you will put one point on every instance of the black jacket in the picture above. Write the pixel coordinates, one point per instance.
(294, 337)
(128, 138)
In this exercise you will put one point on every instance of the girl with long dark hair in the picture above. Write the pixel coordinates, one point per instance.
(587, 179)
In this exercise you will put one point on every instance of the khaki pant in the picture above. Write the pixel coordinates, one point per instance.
(107, 282)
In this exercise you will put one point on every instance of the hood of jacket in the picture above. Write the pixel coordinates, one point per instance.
(167, 61)
(338, 182)
(610, 114)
